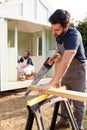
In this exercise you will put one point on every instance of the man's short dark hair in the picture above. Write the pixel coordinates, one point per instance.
(61, 17)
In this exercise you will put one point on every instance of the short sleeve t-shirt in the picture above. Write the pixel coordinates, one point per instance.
(72, 40)
(29, 60)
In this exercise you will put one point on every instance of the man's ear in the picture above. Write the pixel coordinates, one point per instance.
(67, 26)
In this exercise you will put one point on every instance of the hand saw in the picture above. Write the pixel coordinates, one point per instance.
(44, 69)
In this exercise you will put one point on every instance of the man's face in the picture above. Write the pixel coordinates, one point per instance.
(25, 54)
(58, 30)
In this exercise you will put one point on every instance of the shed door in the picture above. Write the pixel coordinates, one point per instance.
(12, 63)
(12, 55)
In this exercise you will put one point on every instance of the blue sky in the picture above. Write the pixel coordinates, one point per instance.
(77, 8)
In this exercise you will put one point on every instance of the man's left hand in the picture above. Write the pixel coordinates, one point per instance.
(43, 87)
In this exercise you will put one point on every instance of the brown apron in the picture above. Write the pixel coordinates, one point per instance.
(75, 79)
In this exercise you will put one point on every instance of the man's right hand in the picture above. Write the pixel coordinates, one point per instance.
(52, 59)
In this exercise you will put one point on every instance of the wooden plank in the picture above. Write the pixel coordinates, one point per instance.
(39, 98)
(79, 96)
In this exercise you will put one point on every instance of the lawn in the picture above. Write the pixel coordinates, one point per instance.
(13, 112)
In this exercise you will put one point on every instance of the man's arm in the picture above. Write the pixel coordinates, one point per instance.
(54, 57)
(63, 66)
(61, 69)
(20, 60)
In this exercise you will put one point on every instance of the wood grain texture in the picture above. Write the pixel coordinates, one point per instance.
(79, 96)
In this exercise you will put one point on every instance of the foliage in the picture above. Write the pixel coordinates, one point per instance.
(82, 27)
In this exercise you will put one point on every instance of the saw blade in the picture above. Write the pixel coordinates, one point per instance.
(44, 69)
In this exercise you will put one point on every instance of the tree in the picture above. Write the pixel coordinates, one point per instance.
(82, 27)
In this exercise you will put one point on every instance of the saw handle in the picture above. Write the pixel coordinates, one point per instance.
(46, 63)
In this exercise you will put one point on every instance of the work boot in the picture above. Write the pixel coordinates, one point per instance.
(61, 125)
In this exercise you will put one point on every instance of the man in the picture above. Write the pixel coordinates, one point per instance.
(25, 65)
(72, 69)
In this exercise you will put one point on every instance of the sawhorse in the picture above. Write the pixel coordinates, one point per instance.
(35, 111)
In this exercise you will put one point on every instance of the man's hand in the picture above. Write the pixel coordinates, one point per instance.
(52, 59)
(43, 87)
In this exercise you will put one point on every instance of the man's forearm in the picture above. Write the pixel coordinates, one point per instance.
(60, 72)
(63, 66)
(56, 55)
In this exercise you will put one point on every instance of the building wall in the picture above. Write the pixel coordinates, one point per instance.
(14, 43)
(24, 42)
(27, 9)
(3, 52)
(10, 38)
(12, 55)
(31, 10)
(36, 10)
(51, 47)
(51, 42)
(29, 41)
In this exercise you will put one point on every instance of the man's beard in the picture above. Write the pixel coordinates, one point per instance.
(61, 35)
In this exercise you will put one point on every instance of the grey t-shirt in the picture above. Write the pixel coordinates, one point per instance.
(72, 40)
